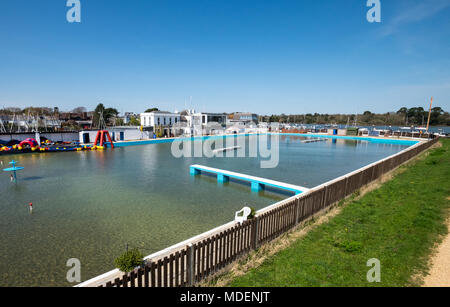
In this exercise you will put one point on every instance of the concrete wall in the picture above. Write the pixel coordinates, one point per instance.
(61, 137)
(55, 137)
(133, 133)
(92, 135)
(129, 133)
(342, 131)
(18, 136)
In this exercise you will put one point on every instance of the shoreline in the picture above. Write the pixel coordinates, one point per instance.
(387, 140)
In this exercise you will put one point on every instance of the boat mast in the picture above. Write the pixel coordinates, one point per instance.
(12, 124)
(429, 114)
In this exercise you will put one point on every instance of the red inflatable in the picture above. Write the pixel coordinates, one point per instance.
(30, 142)
(102, 136)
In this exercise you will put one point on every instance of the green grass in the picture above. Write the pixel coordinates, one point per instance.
(398, 223)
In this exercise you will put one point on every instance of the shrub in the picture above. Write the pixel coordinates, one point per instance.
(252, 214)
(129, 260)
(351, 246)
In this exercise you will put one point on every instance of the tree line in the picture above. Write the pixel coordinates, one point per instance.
(45, 111)
(416, 116)
(101, 116)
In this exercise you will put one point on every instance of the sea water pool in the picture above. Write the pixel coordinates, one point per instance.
(89, 205)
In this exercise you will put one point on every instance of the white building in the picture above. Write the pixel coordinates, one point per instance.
(159, 118)
(206, 118)
(205, 123)
(127, 117)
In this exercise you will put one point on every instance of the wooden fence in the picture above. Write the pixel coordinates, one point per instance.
(190, 265)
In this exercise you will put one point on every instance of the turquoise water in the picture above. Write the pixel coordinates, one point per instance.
(89, 205)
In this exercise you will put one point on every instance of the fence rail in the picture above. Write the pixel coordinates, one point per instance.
(195, 262)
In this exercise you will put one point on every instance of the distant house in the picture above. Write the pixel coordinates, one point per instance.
(205, 123)
(82, 116)
(243, 118)
(235, 129)
(206, 118)
(127, 117)
(159, 119)
(83, 119)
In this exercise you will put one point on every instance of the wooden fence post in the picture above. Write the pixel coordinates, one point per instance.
(190, 265)
(346, 187)
(324, 199)
(255, 232)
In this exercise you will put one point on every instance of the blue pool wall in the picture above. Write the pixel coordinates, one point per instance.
(369, 139)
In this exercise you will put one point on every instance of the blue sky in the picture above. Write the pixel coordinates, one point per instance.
(262, 56)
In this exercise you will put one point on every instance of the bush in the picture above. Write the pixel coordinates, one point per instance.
(351, 246)
(129, 260)
(252, 214)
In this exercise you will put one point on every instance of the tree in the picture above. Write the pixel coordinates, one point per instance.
(437, 110)
(368, 117)
(79, 110)
(108, 114)
(70, 125)
(134, 122)
(119, 122)
(99, 110)
(151, 110)
(416, 115)
(402, 111)
(436, 113)
(37, 110)
(10, 111)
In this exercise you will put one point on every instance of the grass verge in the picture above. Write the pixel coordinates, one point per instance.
(399, 223)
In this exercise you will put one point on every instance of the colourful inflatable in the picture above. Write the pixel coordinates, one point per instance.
(30, 142)
(31, 145)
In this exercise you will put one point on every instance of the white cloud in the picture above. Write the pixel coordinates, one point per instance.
(416, 12)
